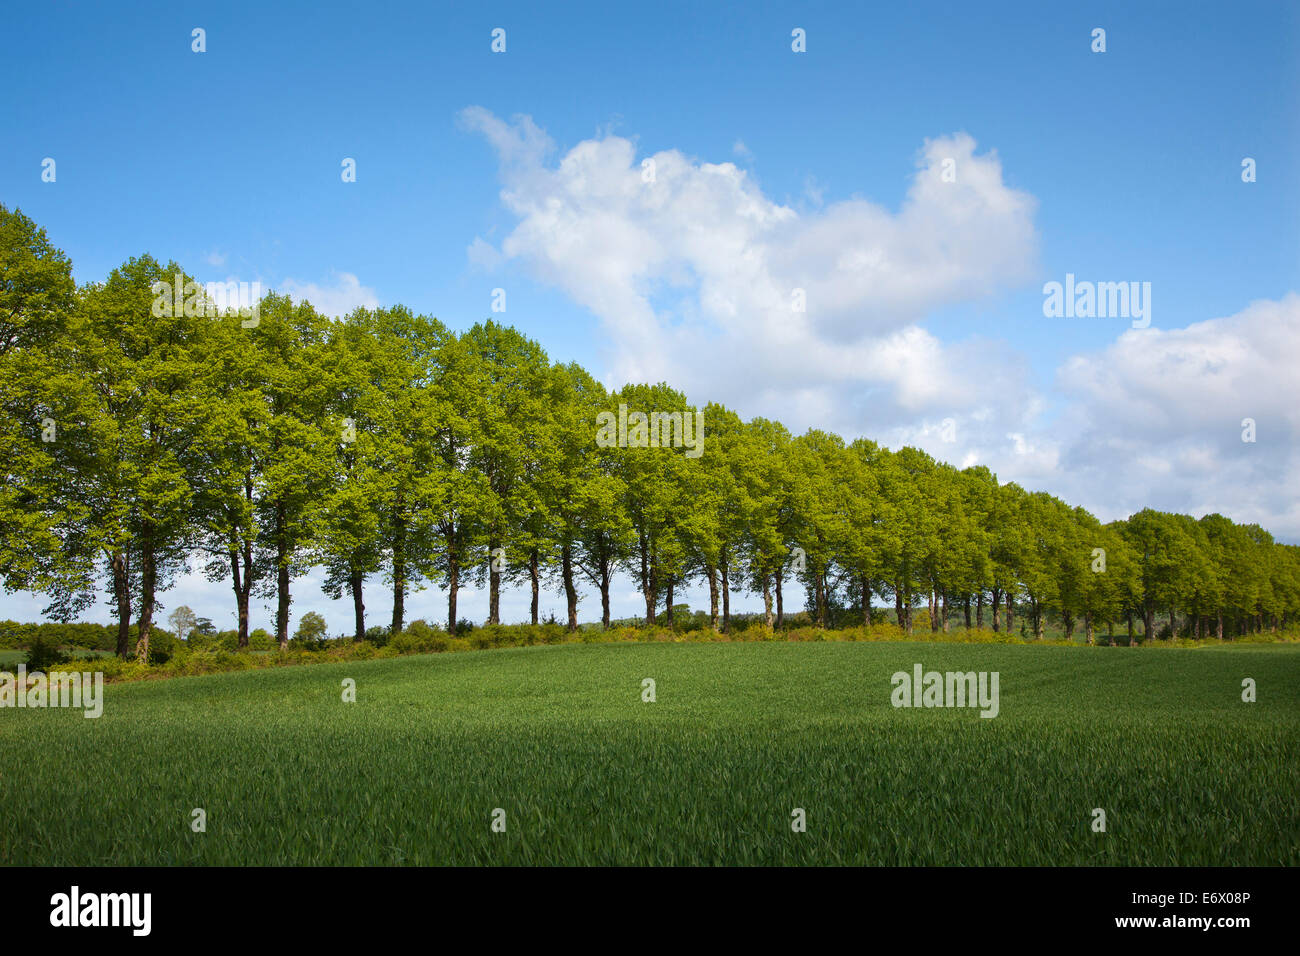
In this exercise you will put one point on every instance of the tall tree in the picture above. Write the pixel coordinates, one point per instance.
(140, 347)
(48, 538)
(300, 440)
(466, 504)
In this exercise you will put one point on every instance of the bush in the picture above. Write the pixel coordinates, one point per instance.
(162, 647)
(420, 637)
(43, 654)
(378, 636)
(11, 634)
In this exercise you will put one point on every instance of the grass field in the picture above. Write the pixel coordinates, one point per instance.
(740, 735)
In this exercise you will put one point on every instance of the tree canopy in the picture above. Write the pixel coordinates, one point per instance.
(383, 443)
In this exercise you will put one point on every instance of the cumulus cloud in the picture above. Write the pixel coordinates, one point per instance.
(337, 299)
(1157, 418)
(696, 275)
(685, 260)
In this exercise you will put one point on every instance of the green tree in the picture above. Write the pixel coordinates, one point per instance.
(300, 440)
(48, 540)
(182, 620)
(311, 629)
(514, 407)
(466, 504)
(139, 352)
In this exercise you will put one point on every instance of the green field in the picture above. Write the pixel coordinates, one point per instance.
(740, 735)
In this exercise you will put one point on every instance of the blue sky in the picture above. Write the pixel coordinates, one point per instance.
(1130, 160)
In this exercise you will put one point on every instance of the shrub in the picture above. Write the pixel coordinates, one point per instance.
(162, 646)
(361, 651)
(420, 637)
(11, 634)
(43, 654)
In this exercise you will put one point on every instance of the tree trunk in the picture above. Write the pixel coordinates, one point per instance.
(767, 600)
(1011, 612)
(122, 595)
(979, 610)
(865, 587)
(281, 580)
(1087, 627)
(648, 583)
(570, 592)
(726, 595)
(238, 582)
(819, 591)
(1219, 632)
(997, 608)
(604, 593)
(534, 582)
(494, 582)
(399, 576)
(713, 596)
(668, 602)
(148, 583)
(945, 613)
(780, 607)
(967, 603)
(356, 582)
(453, 585)
(899, 619)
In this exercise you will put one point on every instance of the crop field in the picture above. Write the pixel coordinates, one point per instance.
(710, 772)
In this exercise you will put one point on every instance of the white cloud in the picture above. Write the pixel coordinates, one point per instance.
(692, 277)
(215, 259)
(1156, 419)
(700, 263)
(345, 294)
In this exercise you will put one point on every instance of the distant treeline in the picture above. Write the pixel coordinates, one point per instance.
(142, 430)
(103, 637)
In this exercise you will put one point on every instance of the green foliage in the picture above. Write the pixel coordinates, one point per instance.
(43, 654)
(162, 647)
(311, 631)
(386, 445)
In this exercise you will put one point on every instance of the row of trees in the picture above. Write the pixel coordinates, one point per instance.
(386, 444)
